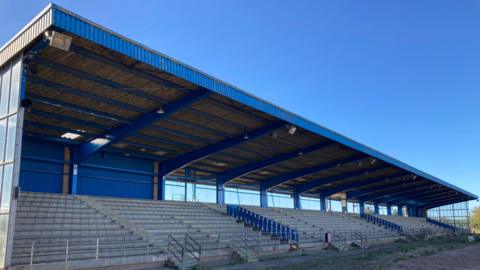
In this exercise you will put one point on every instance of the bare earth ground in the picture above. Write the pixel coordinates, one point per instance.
(441, 253)
(463, 258)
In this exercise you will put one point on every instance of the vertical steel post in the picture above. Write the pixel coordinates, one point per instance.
(31, 252)
(96, 253)
(66, 252)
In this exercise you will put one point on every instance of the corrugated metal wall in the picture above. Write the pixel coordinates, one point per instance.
(107, 174)
(41, 167)
(104, 174)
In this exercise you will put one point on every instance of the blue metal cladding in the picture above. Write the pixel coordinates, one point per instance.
(77, 25)
(41, 167)
(107, 174)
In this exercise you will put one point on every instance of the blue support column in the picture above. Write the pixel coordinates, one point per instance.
(400, 210)
(74, 171)
(263, 198)
(323, 203)
(220, 193)
(362, 207)
(376, 209)
(161, 188)
(297, 204)
(389, 210)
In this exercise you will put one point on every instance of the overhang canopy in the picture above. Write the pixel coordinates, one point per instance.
(121, 96)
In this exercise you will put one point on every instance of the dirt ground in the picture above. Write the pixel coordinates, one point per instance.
(441, 253)
(462, 258)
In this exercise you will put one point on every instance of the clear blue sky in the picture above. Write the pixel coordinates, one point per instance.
(400, 76)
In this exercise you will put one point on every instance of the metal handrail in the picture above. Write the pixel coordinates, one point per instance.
(176, 249)
(72, 249)
(193, 247)
(263, 223)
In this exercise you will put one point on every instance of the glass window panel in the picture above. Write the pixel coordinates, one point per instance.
(5, 92)
(3, 237)
(6, 189)
(15, 87)
(1, 179)
(11, 134)
(3, 131)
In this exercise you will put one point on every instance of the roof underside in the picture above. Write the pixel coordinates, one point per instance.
(106, 81)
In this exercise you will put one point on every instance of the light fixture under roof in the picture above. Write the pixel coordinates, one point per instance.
(160, 110)
(70, 136)
(160, 153)
(60, 41)
(246, 137)
(373, 160)
(292, 129)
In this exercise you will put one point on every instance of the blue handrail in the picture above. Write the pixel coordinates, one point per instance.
(263, 223)
(382, 222)
(441, 224)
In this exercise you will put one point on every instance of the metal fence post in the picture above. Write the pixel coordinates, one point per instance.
(66, 252)
(148, 246)
(31, 252)
(124, 246)
(96, 253)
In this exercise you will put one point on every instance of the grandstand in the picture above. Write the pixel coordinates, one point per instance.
(95, 128)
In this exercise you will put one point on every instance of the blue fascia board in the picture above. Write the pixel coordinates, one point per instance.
(91, 146)
(316, 183)
(178, 162)
(86, 29)
(367, 182)
(253, 166)
(279, 179)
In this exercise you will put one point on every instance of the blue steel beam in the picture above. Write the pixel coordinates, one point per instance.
(447, 202)
(82, 93)
(279, 179)
(226, 176)
(87, 76)
(389, 192)
(79, 109)
(178, 162)
(88, 148)
(384, 188)
(357, 184)
(324, 181)
(398, 199)
(443, 197)
(104, 60)
(415, 192)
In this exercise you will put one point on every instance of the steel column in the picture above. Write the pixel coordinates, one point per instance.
(399, 210)
(220, 192)
(376, 209)
(263, 198)
(323, 203)
(362, 207)
(297, 204)
(389, 210)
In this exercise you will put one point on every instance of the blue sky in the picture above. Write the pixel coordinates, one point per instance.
(400, 76)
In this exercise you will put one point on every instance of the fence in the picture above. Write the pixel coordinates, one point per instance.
(68, 250)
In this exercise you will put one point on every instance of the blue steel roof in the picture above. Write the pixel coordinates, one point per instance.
(59, 17)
